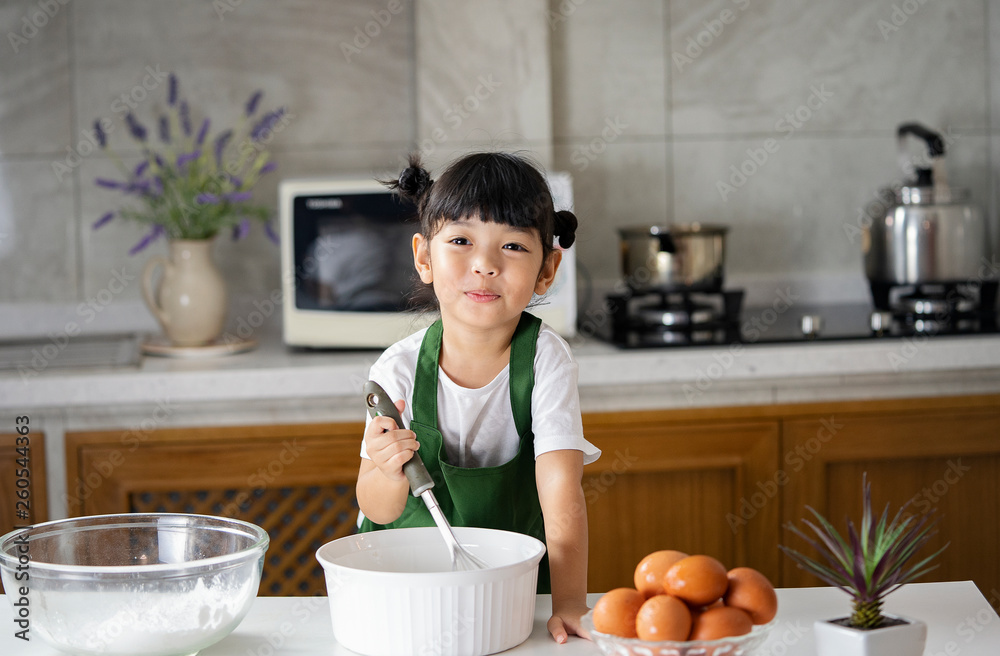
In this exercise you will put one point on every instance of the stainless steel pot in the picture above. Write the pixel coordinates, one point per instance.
(679, 256)
(930, 233)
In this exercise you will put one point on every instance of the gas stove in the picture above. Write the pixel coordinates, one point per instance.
(647, 319)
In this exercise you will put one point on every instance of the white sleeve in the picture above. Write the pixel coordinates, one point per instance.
(556, 419)
(394, 372)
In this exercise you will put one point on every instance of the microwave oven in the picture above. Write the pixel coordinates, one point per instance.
(347, 264)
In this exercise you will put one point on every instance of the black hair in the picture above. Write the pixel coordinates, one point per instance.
(497, 187)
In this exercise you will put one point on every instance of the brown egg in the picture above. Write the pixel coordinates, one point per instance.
(750, 590)
(663, 617)
(615, 612)
(698, 580)
(720, 622)
(698, 610)
(650, 571)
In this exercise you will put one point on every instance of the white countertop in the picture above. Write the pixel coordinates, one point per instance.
(959, 621)
(610, 378)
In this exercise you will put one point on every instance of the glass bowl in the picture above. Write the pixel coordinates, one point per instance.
(156, 584)
(613, 645)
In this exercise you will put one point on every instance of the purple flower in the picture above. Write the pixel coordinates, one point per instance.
(206, 199)
(172, 90)
(164, 130)
(267, 168)
(182, 160)
(101, 221)
(253, 102)
(109, 184)
(237, 196)
(136, 128)
(200, 139)
(148, 239)
(235, 181)
(185, 112)
(138, 187)
(241, 229)
(139, 170)
(102, 139)
(271, 234)
(159, 162)
(266, 124)
(220, 145)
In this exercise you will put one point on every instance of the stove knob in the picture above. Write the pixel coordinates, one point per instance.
(812, 324)
(881, 322)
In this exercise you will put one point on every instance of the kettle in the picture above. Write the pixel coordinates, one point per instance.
(930, 233)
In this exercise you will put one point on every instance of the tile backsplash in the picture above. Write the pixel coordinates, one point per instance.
(653, 107)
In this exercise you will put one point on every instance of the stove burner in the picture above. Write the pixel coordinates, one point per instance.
(690, 314)
(669, 317)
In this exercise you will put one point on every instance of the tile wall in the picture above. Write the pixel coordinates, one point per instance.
(651, 106)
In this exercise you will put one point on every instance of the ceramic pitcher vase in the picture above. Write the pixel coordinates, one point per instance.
(190, 300)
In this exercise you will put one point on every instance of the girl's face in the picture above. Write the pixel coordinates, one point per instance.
(484, 274)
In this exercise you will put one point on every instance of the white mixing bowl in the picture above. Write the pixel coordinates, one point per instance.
(392, 592)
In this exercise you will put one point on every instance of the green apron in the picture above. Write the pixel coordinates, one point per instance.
(503, 497)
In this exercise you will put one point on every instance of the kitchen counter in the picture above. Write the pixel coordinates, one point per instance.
(959, 620)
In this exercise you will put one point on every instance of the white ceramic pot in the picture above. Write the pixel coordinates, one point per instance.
(899, 640)
(190, 302)
(392, 592)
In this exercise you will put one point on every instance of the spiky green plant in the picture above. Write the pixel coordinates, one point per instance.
(870, 565)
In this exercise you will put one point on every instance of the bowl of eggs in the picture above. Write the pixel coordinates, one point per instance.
(685, 605)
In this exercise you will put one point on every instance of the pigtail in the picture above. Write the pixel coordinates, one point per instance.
(414, 182)
(565, 228)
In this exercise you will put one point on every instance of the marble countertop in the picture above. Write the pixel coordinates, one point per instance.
(610, 378)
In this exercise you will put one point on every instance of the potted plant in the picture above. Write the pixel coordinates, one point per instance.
(868, 565)
(189, 187)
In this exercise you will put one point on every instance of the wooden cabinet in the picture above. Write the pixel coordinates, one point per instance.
(667, 484)
(297, 482)
(13, 480)
(940, 455)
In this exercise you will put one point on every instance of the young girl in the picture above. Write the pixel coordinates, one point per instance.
(488, 391)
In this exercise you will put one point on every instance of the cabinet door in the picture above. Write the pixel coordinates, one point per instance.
(296, 482)
(686, 486)
(942, 460)
(22, 482)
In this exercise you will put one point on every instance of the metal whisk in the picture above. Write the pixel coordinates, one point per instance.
(379, 404)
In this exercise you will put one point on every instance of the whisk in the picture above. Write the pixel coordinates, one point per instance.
(379, 404)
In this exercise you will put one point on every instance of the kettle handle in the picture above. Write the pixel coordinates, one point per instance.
(935, 144)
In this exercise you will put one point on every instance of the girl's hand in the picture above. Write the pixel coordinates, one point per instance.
(389, 446)
(566, 622)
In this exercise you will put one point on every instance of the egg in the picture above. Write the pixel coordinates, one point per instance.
(720, 622)
(749, 590)
(616, 610)
(650, 571)
(699, 580)
(663, 617)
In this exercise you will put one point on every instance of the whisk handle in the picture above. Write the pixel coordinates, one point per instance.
(380, 405)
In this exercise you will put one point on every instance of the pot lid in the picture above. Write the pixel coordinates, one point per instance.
(674, 229)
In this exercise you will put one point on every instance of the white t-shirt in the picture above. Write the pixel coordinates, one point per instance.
(478, 424)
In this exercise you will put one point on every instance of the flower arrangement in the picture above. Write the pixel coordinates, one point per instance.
(193, 185)
(870, 565)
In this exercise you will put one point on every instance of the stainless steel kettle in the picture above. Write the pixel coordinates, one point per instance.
(930, 234)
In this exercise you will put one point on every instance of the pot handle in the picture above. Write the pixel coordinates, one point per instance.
(147, 287)
(667, 244)
(935, 144)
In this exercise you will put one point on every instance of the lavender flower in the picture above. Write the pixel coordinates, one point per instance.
(159, 162)
(172, 90)
(241, 229)
(271, 234)
(182, 160)
(136, 128)
(206, 199)
(253, 102)
(220, 145)
(185, 114)
(237, 196)
(103, 220)
(200, 139)
(237, 182)
(102, 139)
(164, 130)
(266, 124)
(151, 236)
(267, 168)
(139, 170)
(109, 184)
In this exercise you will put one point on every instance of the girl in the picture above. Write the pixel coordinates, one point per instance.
(488, 391)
